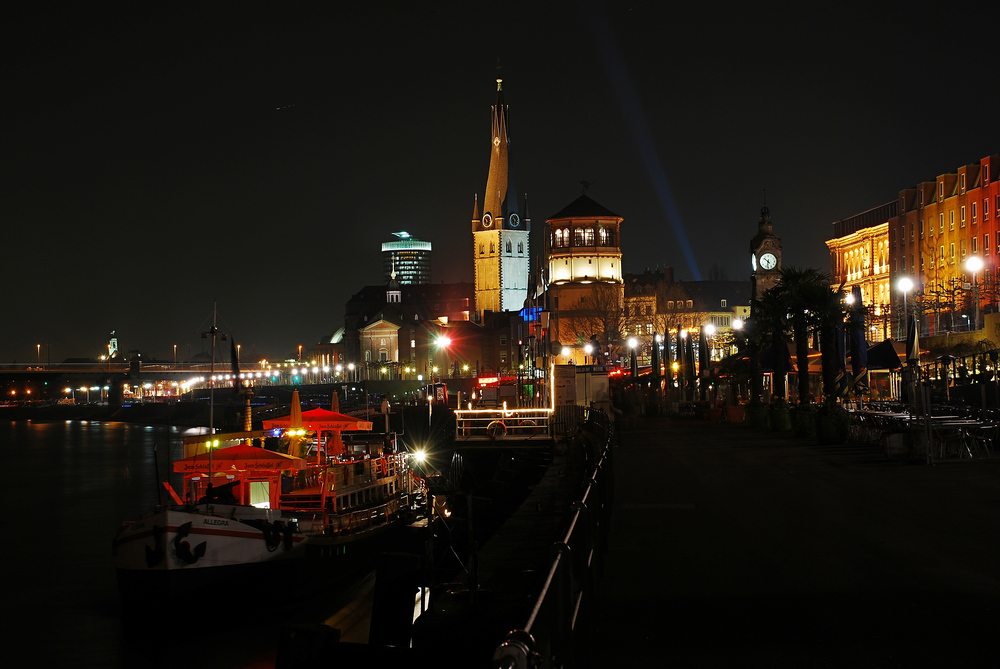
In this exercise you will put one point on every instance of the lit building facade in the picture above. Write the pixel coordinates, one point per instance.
(409, 258)
(500, 230)
(927, 235)
(940, 226)
(859, 256)
(584, 261)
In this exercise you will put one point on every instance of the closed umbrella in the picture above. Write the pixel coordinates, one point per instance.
(703, 362)
(912, 343)
(859, 345)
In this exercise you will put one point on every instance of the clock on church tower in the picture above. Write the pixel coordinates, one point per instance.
(765, 256)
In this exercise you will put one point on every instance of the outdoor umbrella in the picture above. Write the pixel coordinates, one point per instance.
(655, 374)
(912, 343)
(841, 358)
(859, 345)
(689, 362)
(703, 364)
(241, 457)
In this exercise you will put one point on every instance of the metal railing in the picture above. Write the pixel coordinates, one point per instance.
(563, 614)
(498, 424)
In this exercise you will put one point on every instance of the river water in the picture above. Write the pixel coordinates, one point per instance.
(69, 485)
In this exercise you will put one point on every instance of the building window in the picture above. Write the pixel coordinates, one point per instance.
(952, 249)
(962, 180)
(940, 191)
(503, 340)
(670, 304)
(649, 328)
(941, 223)
(921, 197)
(510, 248)
(941, 254)
(603, 235)
(413, 343)
(986, 244)
(963, 250)
(690, 304)
(963, 215)
(723, 304)
(986, 210)
(975, 245)
(482, 249)
(493, 247)
(520, 247)
(921, 262)
(904, 264)
(368, 356)
(951, 220)
(986, 174)
(921, 228)
(911, 232)
(932, 260)
(503, 358)
(565, 236)
(559, 238)
(973, 213)
(383, 355)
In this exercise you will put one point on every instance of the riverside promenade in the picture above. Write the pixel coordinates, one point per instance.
(738, 547)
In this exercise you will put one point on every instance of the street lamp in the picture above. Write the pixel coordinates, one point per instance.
(904, 285)
(710, 332)
(974, 264)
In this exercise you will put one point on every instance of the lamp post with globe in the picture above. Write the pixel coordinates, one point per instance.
(974, 264)
(904, 285)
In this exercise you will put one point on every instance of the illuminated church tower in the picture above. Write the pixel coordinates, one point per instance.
(500, 232)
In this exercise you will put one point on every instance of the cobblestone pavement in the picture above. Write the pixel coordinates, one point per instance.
(734, 546)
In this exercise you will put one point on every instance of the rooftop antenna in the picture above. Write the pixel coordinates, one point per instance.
(586, 185)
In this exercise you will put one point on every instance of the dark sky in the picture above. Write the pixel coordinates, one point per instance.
(161, 156)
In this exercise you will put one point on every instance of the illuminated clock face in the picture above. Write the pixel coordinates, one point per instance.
(515, 220)
(768, 261)
(487, 220)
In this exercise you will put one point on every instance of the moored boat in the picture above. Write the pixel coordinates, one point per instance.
(248, 511)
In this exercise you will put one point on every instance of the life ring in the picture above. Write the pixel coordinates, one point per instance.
(496, 430)
(528, 426)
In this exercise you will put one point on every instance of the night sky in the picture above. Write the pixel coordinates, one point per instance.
(160, 156)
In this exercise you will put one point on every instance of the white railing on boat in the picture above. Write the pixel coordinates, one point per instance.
(497, 424)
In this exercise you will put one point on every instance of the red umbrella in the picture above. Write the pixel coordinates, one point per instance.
(239, 458)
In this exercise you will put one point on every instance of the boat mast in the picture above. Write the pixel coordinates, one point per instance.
(211, 391)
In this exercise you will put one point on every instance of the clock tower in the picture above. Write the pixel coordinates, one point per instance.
(500, 230)
(765, 256)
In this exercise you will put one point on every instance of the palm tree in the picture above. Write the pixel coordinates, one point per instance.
(806, 294)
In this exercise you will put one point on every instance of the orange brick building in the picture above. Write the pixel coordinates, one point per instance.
(928, 234)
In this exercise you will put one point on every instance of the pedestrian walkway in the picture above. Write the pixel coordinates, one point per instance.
(733, 546)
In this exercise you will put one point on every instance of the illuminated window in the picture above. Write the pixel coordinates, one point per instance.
(941, 223)
(952, 249)
(962, 180)
(921, 228)
(963, 249)
(723, 304)
(690, 304)
(951, 220)
(603, 236)
(975, 244)
(986, 244)
(559, 238)
(963, 215)
(670, 304)
(482, 249)
(973, 213)
(520, 247)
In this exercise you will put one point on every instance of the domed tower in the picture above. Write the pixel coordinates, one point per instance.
(500, 233)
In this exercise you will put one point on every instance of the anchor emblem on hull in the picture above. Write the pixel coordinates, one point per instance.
(183, 548)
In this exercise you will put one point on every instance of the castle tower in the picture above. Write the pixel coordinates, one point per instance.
(584, 259)
(500, 234)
